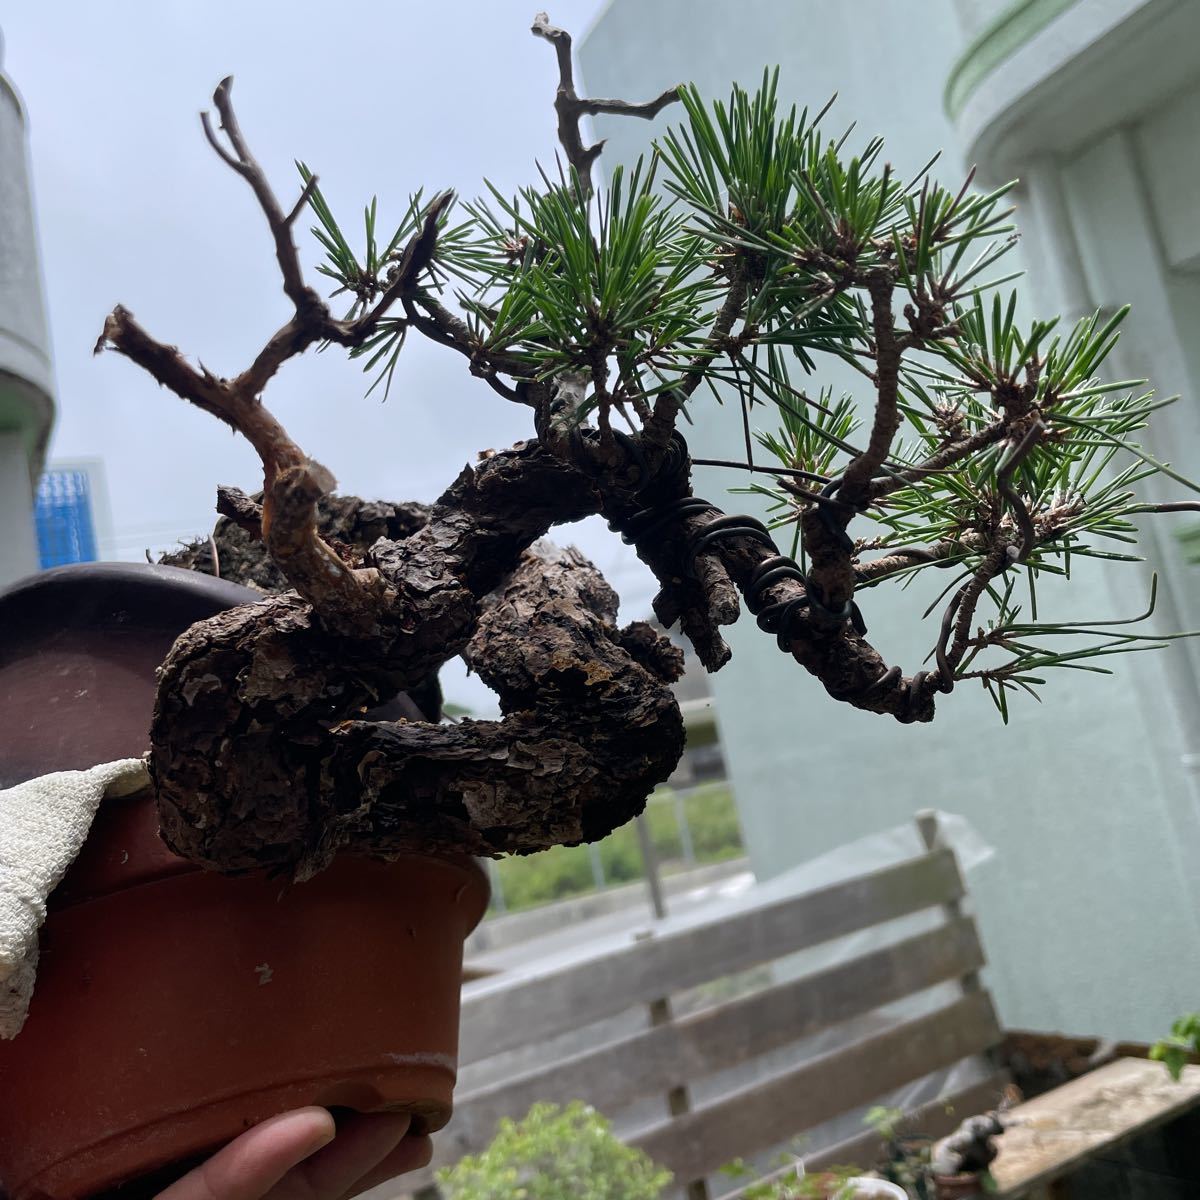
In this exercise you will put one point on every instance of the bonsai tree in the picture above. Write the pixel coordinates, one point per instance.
(751, 247)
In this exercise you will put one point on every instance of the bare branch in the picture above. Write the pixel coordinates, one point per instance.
(228, 403)
(429, 316)
(960, 613)
(245, 513)
(560, 39)
(649, 109)
(288, 341)
(245, 164)
(570, 107)
(667, 404)
(292, 483)
(312, 321)
(304, 198)
(417, 255)
(1004, 486)
(855, 485)
(439, 324)
(902, 558)
(945, 457)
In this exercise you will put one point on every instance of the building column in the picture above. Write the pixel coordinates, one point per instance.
(18, 540)
(1095, 246)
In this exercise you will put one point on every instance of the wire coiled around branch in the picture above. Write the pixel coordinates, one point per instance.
(777, 618)
(780, 617)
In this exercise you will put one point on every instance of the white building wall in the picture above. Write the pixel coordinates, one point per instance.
(26, 377)
(1089, 908)
(18, 545)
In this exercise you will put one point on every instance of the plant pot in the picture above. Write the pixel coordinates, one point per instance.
(175, 1007)
(957, 1187)
(876, 1189)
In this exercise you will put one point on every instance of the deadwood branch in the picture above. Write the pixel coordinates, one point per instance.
(571, 108)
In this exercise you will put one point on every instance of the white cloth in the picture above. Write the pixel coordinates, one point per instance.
(43, 825)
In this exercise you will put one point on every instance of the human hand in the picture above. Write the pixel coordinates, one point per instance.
(304, 1155)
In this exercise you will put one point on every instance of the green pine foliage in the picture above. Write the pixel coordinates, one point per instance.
(747, 250)
(566, 871)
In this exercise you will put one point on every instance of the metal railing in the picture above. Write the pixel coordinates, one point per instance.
(681, 828)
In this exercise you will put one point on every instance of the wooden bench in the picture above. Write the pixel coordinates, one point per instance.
(733, 1078)
(1054, 1134)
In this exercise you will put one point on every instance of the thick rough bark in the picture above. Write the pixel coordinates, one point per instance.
(236, 552)
(245, 704)
(352, 524)
(591, 726)
(697, 593)
(250, 702)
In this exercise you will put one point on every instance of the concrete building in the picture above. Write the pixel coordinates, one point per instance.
(26, 374)
(1089, 907)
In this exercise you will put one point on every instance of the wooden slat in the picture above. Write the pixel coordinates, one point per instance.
(929, 827)
(672, 1055)
(502, 1014)
(770, 1112)
(935, 1119)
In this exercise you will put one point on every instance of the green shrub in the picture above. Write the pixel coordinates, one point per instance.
(540, 878)
(1176, 1049)
(664, 827)
(713, 819)
(567, 870)
(621, 855)
(555, 1154)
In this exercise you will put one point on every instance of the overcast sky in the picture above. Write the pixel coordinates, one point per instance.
(135, 208)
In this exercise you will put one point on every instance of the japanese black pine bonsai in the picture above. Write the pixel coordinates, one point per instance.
(750, 248)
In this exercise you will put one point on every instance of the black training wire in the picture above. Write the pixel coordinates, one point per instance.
(779, 618)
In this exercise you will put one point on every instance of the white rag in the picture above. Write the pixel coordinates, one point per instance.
(43, 825)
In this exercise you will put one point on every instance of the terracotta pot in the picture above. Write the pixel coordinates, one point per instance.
(957, 1187)
(175, 1007)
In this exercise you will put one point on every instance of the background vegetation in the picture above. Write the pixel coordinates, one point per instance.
(564, 871)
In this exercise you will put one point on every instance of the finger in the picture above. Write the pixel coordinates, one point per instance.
(251, 1165)
(412, 1154)
(363, 1141)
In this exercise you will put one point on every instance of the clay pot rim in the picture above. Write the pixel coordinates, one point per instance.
(98, 587)
(120, 596)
